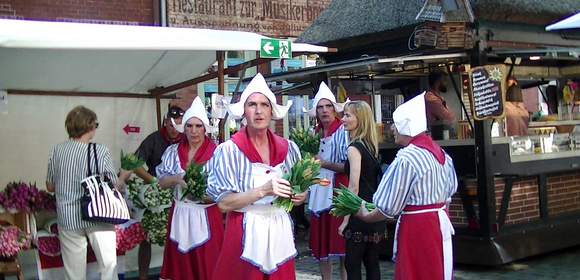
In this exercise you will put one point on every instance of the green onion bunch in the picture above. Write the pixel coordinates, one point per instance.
(346, 203)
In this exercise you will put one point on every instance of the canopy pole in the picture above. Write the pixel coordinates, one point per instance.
(158, 111)
(220, 57)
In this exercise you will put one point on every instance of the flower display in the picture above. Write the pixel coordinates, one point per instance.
(307, 142)
(22, 197)
(12, 240)
(48, 244)
(303, 174)
(129, 236)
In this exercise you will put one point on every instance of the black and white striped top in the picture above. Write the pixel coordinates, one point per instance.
(67, 166)
(415, 178)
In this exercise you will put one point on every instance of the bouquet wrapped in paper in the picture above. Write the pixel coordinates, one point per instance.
(347, 203)
(130, 161)
(155, 225)
(153, 204)
(307, 141)
(303, 174)
(196, 179)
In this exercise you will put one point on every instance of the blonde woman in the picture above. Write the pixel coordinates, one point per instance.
(362, 167)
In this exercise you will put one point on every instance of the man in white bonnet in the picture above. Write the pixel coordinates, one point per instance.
(417, 187)
(325, 242)
(245, 179)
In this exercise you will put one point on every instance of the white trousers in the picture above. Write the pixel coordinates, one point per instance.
(73, 244)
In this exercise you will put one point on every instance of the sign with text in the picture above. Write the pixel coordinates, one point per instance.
(273, 48)
(278, 18)
(488, 91)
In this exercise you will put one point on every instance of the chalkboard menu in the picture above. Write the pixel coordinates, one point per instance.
(488, 91)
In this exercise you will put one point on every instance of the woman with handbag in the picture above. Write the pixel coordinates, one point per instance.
(195, 228)
(68, 165)
(363, 168)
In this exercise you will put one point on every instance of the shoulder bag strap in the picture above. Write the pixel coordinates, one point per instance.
(89, 172)
(96, 159)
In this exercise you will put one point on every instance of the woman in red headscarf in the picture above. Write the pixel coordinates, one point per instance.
(195, 228)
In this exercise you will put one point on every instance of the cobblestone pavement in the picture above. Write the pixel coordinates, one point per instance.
(564, 264)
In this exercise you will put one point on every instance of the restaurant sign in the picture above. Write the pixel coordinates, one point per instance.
(278, 18)
(488, 91)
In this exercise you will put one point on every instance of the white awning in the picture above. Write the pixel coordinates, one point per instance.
(77, 57)
(572, 22)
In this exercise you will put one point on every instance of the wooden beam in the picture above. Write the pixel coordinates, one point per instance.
(82, 94)
(158, 111)
(207, 77)
(221, 57)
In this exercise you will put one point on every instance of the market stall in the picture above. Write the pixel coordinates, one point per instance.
(516, 191)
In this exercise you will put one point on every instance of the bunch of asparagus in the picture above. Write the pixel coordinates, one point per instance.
(196, 179)
(302, 175)
(346, 203)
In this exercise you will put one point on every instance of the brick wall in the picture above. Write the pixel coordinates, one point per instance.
(564, 193)
(132, 12)
(563, 198)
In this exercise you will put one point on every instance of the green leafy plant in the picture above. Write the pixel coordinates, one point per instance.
(130, 161)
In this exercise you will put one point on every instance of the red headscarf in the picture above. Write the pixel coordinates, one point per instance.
(203, 153)
(424, 141)
(331, 130)
(278, 147)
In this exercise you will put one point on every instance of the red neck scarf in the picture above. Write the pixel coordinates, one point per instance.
(170, 140)
(424, 141)
(278, 147)
(203, 153)
(331, 130)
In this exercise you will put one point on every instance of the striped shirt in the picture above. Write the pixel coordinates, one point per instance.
(231, 170)
(67, 166)
(415, 178)
(170, 165)
(340, 142)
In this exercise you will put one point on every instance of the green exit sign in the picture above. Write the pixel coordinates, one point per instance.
(273, 48)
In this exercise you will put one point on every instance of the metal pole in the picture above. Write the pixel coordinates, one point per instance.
(484, 171)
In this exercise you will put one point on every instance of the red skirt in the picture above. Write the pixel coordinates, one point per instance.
(230, 265)
(419, 246)
(199, 263)
(324, 239)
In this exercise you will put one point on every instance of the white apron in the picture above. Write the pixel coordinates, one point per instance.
(268, 239)
(320, 199)
(447, 232)
(189, 225)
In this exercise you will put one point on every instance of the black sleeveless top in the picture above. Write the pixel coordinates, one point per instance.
(367, 185)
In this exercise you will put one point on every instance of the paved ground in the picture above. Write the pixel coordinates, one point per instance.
(564, 264)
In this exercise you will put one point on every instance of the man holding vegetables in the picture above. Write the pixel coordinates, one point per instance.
(417, 187)
(244, 180)
(195, 227)
(325, 242)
